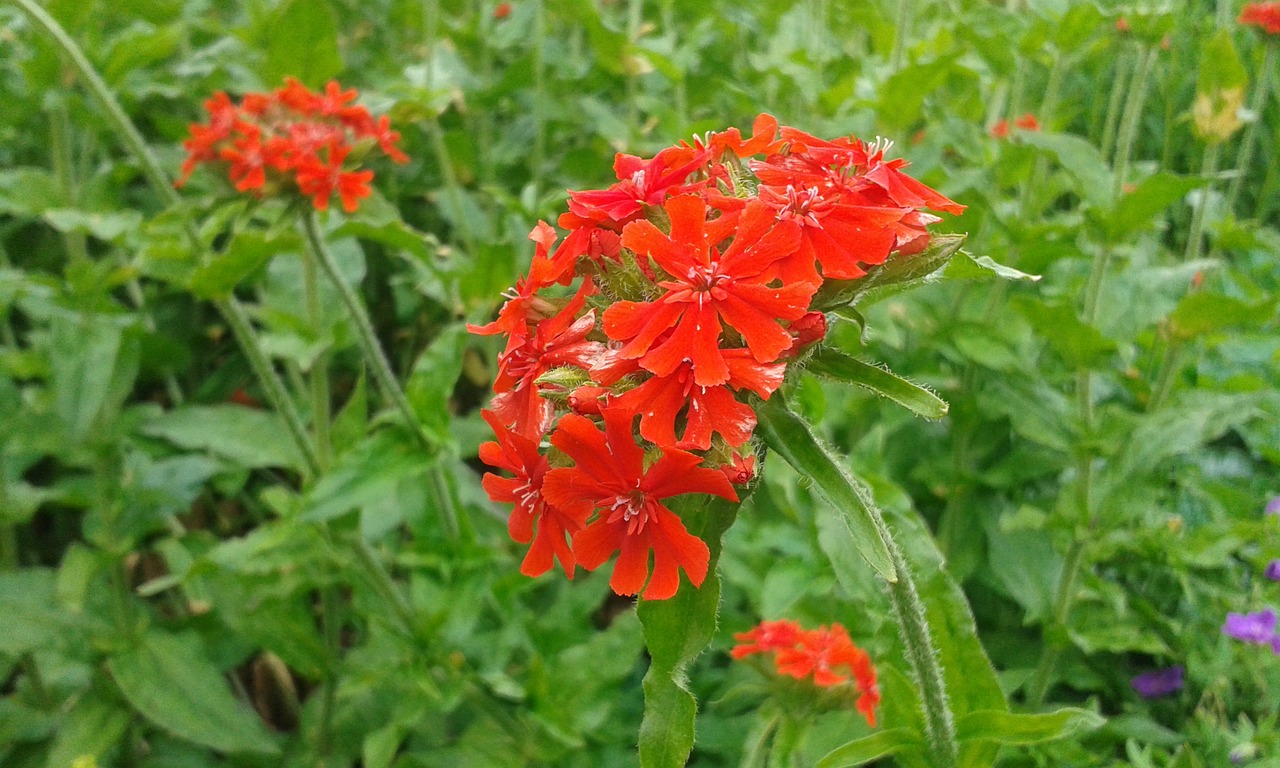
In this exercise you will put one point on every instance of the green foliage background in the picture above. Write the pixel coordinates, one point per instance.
(176, 590)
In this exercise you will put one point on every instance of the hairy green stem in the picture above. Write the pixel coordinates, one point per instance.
(365, 335)
(922, 655)
(1258, 103)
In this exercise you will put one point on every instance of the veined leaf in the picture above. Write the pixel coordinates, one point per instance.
(791, 438)
(1011, 728)
(169, 680)
(870, 748)
(915, 398)
(967, 267)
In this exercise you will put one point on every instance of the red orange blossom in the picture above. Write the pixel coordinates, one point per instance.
(695, 276)
(291, 138)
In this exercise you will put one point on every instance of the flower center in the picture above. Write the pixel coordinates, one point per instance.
(632, 508)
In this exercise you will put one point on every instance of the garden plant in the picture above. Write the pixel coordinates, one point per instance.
(830, 383)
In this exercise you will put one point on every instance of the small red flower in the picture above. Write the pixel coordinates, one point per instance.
(609, 479)
(502, 10)
(1264, 16)
(532, 517)
(640, 183)
(708, 287)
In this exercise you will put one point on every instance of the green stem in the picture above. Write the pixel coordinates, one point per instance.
(1258, 103)
(906, 9)
(922, 655)
(62, 160)
(451, 185)
(378, 577)
(1209, 167)
(365, 334)
(1132, 116)
(540, 96)
(1111, 121)
(333, 640)
(319, 373)
(1075, 558)
(272, 386)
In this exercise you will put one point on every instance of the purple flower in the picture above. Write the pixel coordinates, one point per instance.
(1257, 628)
(1273, 506)
(1272, 571)
(1160, 682)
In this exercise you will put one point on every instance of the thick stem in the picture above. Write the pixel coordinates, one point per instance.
(1258, 103)
(1112, 119)
(939, 723)
(365, 334)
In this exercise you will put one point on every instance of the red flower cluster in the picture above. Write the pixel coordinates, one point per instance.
(291, 135)
(822, 652)
(697, 268)
(1264, 16)
(1027, 122)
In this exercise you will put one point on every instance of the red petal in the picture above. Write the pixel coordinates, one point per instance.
(632, 567)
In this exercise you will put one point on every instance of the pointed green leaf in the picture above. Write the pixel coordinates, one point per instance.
(869, 748)
(1138, 208)
(676, 630)
(1200, 313)
(1092, 178)
(967, 267)
(1010, 728)
(247, 252)
(915, 398)
(171, 682)
(791, 438)
(244, 435)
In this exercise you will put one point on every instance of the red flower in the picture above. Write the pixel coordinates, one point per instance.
(707, 287)
(555, 341)
(640, 183)
(609, 477)
(502, 10)
(1027, 122)
(764, 132)
(826, 654)
(1001, 130)
(1264, 16)
(519, 455)
(706, 409)
(319, 179)
(524, 305)
(839, 236)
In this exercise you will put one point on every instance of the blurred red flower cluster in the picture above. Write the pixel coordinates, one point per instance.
(1264, 16)
(1027, 122)
(825, 653)
(696, 272)
(292, 138)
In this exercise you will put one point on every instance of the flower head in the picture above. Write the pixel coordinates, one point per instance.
(292, 138)
(1160, 682)
(1273, 507)
(826, 654)
(1257, 628)
(1272, 571)
(696, 273)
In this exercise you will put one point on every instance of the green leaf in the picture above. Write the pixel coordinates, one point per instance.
(302, 42)
(791, 438)
(1083, 163)
(93, 726)
(248, 437)
(870, 748)
(171, 682)
(676, 630)
(32, 617)
(915, 398)
(246, 254)
(366, 477)
(1138, 208)
(1010, 728)
(434, 375)
(109, 227)
(964, 266)
(1082, 346)
(1201, 313)
(93, 362)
